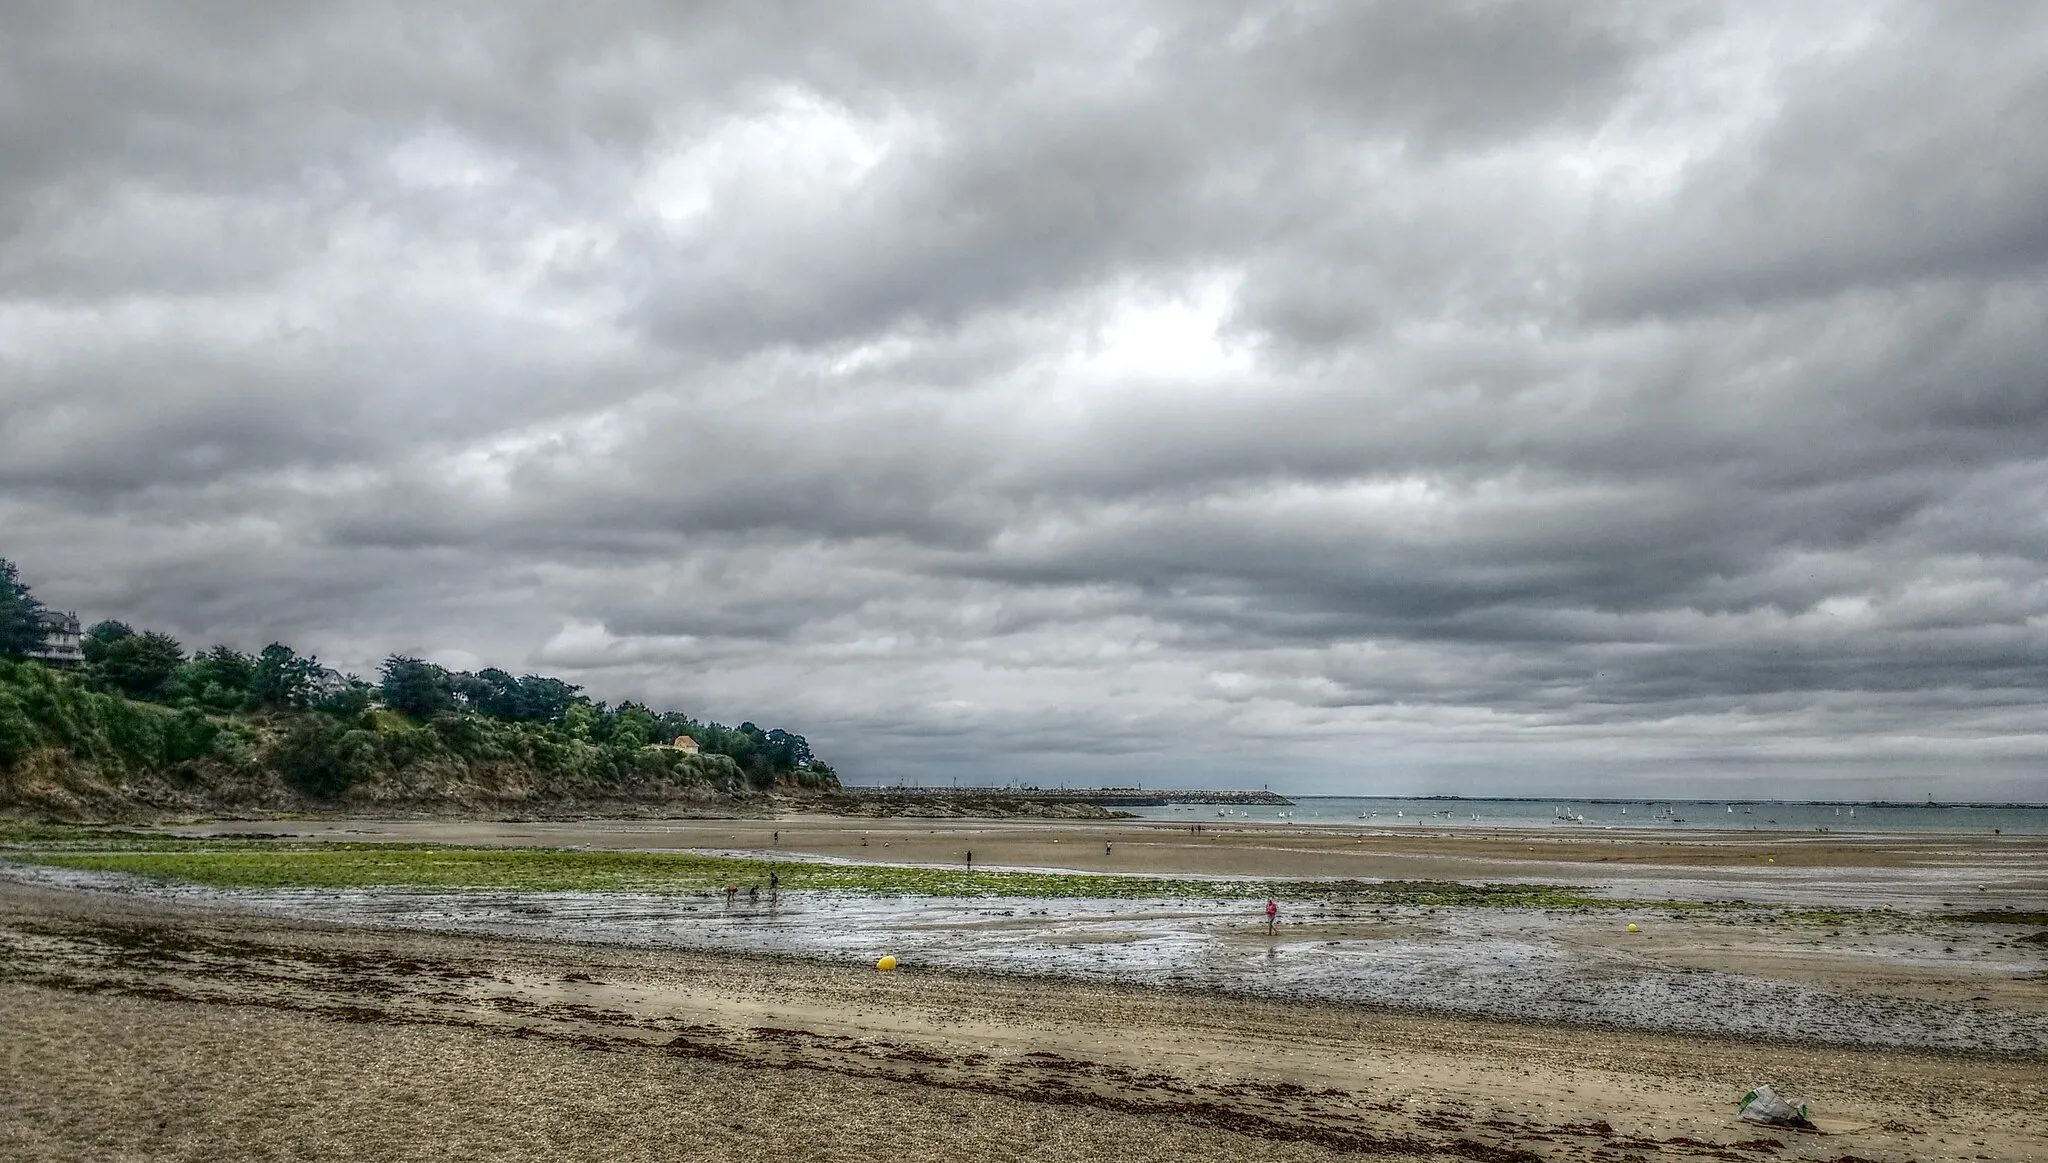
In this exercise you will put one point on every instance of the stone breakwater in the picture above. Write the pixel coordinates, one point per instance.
(1111, 797)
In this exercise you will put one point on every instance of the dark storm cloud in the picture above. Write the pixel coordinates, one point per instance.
(1389, 396)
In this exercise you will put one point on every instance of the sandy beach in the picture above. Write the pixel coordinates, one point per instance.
(307, 1041)
(381, 1024)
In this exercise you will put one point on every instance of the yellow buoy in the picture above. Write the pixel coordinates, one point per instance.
(1632, 927)
(1770, 860)
(886, 963)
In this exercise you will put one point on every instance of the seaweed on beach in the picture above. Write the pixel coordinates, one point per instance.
(2001, 917)
(24, 832)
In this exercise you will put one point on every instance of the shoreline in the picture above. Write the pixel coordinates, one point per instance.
(800, 812)
(2013, 869)
(1904, 942)
(230, 916)
(1504, 964)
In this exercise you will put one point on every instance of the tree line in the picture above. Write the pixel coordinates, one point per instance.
(153, 667)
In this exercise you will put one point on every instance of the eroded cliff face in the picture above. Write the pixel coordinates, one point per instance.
(53, 784)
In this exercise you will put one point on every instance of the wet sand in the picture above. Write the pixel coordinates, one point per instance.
(161, 1021)
(144, 1029)
(1876, 978)
(1894, 971)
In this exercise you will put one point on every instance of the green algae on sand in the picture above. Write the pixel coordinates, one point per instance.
(262, 865)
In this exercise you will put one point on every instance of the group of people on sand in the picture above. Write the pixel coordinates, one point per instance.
(1272, 906)
(732, 891)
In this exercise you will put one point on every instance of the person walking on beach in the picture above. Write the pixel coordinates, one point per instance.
(1272, 915)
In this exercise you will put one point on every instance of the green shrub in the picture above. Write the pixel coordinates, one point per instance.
(188, 735)
(462, 734)
(233, 747)
(18, 734)
(312, 757)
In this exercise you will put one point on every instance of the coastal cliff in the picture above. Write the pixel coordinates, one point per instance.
(72, 753)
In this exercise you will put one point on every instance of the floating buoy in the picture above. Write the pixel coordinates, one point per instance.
(886, 963)
(1632, 927)
(1770, 860)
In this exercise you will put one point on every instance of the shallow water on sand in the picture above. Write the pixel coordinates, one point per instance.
(1512, 963)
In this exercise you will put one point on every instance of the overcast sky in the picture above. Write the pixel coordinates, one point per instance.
(1418, 397)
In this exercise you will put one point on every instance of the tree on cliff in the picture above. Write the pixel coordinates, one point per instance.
(102, 635)
(415, 687)
(21, 621)
(141, 665)
(281, 679)
(201, 704)
(222, 677)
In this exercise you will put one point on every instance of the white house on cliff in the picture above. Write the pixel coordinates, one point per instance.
(61, 640)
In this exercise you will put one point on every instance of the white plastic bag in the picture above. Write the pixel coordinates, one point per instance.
(1763, 1105)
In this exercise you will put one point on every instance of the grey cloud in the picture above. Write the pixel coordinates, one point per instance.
(1444, 71)
(1568, 393)
(1198, 138)
(1908, 163)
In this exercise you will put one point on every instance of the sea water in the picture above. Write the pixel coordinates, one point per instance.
(1685, 815)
